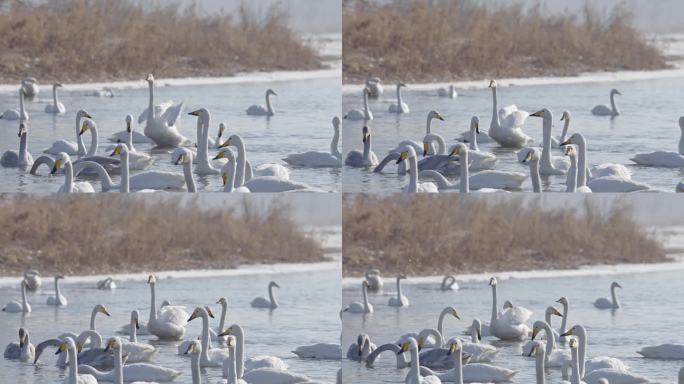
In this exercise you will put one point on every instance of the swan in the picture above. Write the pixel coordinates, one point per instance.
(667, 351)
(229, 365)
(260, 110)
(68, 346)
(129, 372)
(24, 351)
(23, 158)
(539, 352)
(167, 323)
(160, 121)
(606, 303)
(612, 376)
(319, 351)
(137, 160)
(618, 179)
(13, 114)
(64, 161)
(222, 321)
(449, 92)
(400, 300)
(58, 299)
(565, 118)
(16, 306)
(216, 143)
(417, 146)
(414, 186)
(30, 87)
(554, 357)
(596, 363)
(274, 376)
(474, 372)
(443, 162)
(507, 122)
(320, 159)
(374, 85)
(357, 307)
(252, 363)
(571, 180)
(413, 377)
(107, 284)
(509, 324)
(550, 165)
(607, 110)
(480, 159)
(374, 279)
(531, 156)
(401, 360)
(449, 283)
(184, 157)
(479, 353)
(32, 279)
(137, 351)
(358, 114)
(110, 164)
(69, 147)
(56, 107)
(262, 302)
(210, 357)
(564, 317)
(437, 357)
(202, 166)
(228, 172)
(400, 106)
(153, 180)
(269, 184)
(129, 136)
(94, 355)
(366, 158)
(664, 158)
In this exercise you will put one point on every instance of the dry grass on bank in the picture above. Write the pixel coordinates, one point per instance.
(432, 235)
(441, 40)
(85, 40)
(86, 235)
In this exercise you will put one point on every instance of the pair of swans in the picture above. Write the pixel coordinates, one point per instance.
(400, 106)
(160, 121)
(357, 114)
(13, 114)
(550, 165)
(22, 158)
(270, 302)
(418, 146)
(229, 170)
(167, 323)
(318, 158)
(449, 92)
(480, 159)
(24, 351)
(22, 306)
(58, 299)
(506, 125)
(472, 372)
(400, 300)
(539, 352)
(374, 280)
(409, 154)
(361, 307)
(607, 110)
(550, 311)
(664, 158)
(260, 110)
(56, 107)
(571, 180)
(609, 303)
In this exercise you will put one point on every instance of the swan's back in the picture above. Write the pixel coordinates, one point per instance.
(511, 117)
(616, 184)
(602, 110)
(157, 180)
(355, 114)
(272, 169)
(66, 146)
(147, 371)
(313, 159)
(172, 314)
(269, 375)
(10, 158)
(610, 169)
(258, 110)
(273, 184)
(485, 373)
(497, 180)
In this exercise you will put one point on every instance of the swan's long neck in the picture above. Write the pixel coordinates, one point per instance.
(93, 141)
(440, 321)
(232, 368)
(571, 181)
(495, 116)
(118, 368)
(150, 111)
(576, 372)
(195, 367)
(129, 141)
(203, 155)
(125, 186)
(428, 125)
(24, 303)
(73, 366)
(413, 174)
(550, 340)
(613, 106)
(441, 144)
(240, 350)
(269, 107)
(464, 186)
(133, 333)
(613, 294)
(153, 306)
(205, 336)
(458, 366)
(473, 139)
(187, 172)
(540, 369)
(271, 296)
(399, 101)
(22, 111)
(334, 144)
(23, 146)
(581, 162)
(68, 177)
(365, 298)
(473, 336)
(57, 295)
(54, 97)
(241, 160)
(79, 138)
(565, 129)
(546, 141)
(415, 365)
(230, 183)
(399, 289)
(564, 321)
(93, 314)
(582, 352)
(224, 312)
(367, 150)
(534, 175)
(494, 314)
(105, 179)
(366, 110)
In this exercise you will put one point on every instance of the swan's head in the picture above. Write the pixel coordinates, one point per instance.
(222, 128)
(99, 308)
(57, 85)
(66, 345)
(134, 319)
(435, 115)
(366, 91)
(576, 138)
(82, 113)
(401, 85)
(336, 122)
(492, 84)
(273, 284)
(201, 113)
(85, 126)
(373, 79)
(150, 78)
(23, 337)
(181, 156)
(563, 300)
(508, 304)
(529, 155)
(458, 150)
(475, 124)
(365, 284)
(198, 312)
(543, 113)
(113, 344)
(536, 328)
(59, 276)
(222, 301)
(454, 312)
(29, 80)
(232, 140)
(120, 148)
(552, 311)
(226, 153)
(366, 133)
(209, 312)
(410, 344)
(565, 116)
(615, 284)
(22, 128)
(194, 348)
(537, 350)
(61, 160)
(271, 92)
(232, 330)
(477, 328)
(493, 282)
(129, 123)
(407, 152)
(576, 330)
(455, 345)
(151, 279)
(570, 150)
(615, 92)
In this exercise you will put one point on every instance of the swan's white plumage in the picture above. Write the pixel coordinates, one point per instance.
(319, 351)
(667, 351)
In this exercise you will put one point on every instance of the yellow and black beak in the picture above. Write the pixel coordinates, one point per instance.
(439, 116)
(568, 332)
(192, 317)
(477, 128)
(402, 156)
(191, 349)
(84, 128)
(404, 348)
(79, 347)
(365, 137)
(61, 348)
(210, 313)
(455, 313)
(110, 345)
(537, 114)
(86, 114)
(567, 142)
(535, 331)
(479, 335)
(128, 126)
(533, 351)
(219, 155)
(194, 113)
(58, 164)
(137, 325)
(117, 150)
(104, 311)
(225, 333)
(528, 158)
(180, 159)
(225, 144)
(224, 177)
(426, 146)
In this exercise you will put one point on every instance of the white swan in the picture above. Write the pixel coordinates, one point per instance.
(151, 180)
(571, 180)
(401, 360)
(607, 110)
(565, 118)
(202, 165)
(365, 158)
(400, 300)
(64, 161)
(160, 121)
(400, 106)
(107, 284)
(13, 114)
(24, 351)
(184, 157)
(473, 372)
(317, 158)
(553, 357)
(319, 351)
(56, 107)
(137, 160)
(479, 159)
(413, 377)
(414, 186)
(539, 352)
(68, 346)
(260, 110)
(449, 92)
(23, 158)
(129, 136)
(110, 164)
(449, 283)
(664, 158)
(550, 165)
(252, 363)
(532, 157)
(588, 365)
(609, 303)
(58, 299)
(210, 357)
(229, 365)
(136, 350)
(365, 306)
(32, 279)
(270, 302)
(374, 85)
(69, 147)
(358, 114)
(194, 349)
(30, 87)
(228, 172)
(374, 279)
(479, 353)
(418, 146)
(509, 324)
(168, 322)
(135, 372)
(667, 351)
(507, 122)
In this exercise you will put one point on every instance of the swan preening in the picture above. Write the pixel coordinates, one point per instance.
(374, 86)
(260, 110)
(161, 119)
(374, 280)
(607, 110)
(30, 87)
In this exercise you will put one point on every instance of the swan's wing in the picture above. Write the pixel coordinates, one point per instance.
(172, 113)
(512, 117)
(143, 116)
(173, 314)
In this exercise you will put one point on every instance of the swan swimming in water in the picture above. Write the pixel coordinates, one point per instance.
(507, 122)
(509, 324)
(571, 180)
(449, 92)
(24, 351)
(667, 351)
(16, 306)
(473, 372)
(607, 110)
(664, 158)
(606, 303)
(400, 300)
(479, 159)
(23, 158)
(160, 120)
(202, 166)
(550, 165)
(374, 85)
(449, 283)
(374, 279)
(228, 172)
(252, 363)
(414, 186)
(360, 350)
(30, 87)
(365, 306)
(58, 299)
(400, 106)
(69, 147)
(136, 350)
(417, 146)
(532, 157)
(167, 323)
(270, 302)
(366, 158)
(320, 159)
(13, 114)
(137, 160)
(150, 180)
(401, 360)
(210, 357)
(319, 351)
(64, 161)
(110, 164)
(107, 284)
(260, 110)
(56, 107)
(414, 377)
(68, 346)
(554, 357)
(358, 114)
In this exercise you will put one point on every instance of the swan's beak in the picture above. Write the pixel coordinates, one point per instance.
(210, 313)
(568, 333)
(225, 144)
(404, 348)
(179, 159)
(225, 333)
(104, 311)
(84, 128)
(528, 158)
(452, 349)
(402, 157)
(192, 317)
(455, 313)
(477, 128)
(533, 351)
(566, 142)
(421, 341)
(87, 115)
(191, 348)
(62, 348)
(365, 136)
(58, 163)
(555, 312)
(109, 346)
(425, 149)
(219, 155)
(79, 347)
(224, 177)
(128, 126)
(439, 116)
(194, 113)
(535, 331)
(537, 114)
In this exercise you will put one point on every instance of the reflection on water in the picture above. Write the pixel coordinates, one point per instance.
(649, 122)
(307, 315)
(303, 123)
(651, 314)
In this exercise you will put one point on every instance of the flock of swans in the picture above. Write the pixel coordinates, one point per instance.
(430, 162)
(432, 356)
(73, 159)
(89, 357)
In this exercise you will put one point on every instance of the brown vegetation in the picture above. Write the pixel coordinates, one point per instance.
(466, 234)
(85, 40)
(106, 233)
(440, 40)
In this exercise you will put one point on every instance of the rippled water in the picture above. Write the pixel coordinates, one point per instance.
(302, 123)
(649, 122)
(306, 316)
(651, 315)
